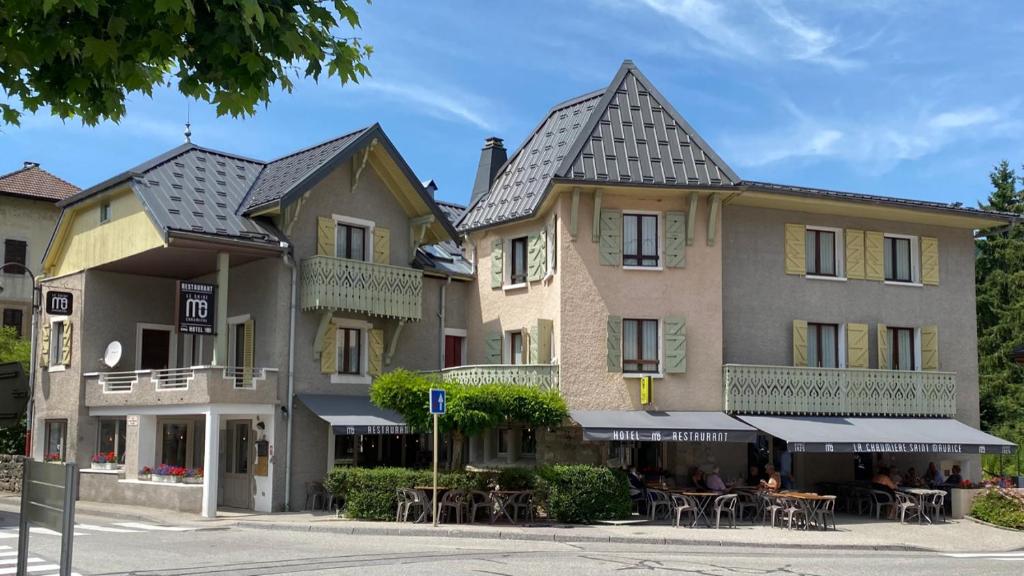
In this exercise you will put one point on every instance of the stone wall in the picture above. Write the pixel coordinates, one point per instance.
(11, 468)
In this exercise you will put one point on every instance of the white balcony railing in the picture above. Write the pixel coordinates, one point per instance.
(173, 378)
(114, 382)
(532, 375)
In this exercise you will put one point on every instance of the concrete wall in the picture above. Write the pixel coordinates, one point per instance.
(107, 487)
(31, 221)
(761, 301)
(12, 468)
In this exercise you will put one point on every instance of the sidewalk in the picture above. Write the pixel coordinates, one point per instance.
(855, 532)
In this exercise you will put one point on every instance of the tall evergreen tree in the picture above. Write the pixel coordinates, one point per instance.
(1000, 306)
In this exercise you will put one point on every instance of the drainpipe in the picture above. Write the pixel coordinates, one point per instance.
(440, 328)
(289, 261)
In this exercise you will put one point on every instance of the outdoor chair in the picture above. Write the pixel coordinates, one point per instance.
(317, 494)
(794, 510)
(863, 501)
(658, 502)
(727, 504)
(828, 512)
(906, 507)
(522, 503)
(935, 505)
(477, 501)
(747, 501)
(410, 500)
(881, 500)
(769, 508)
(683, 505)
(452, 501)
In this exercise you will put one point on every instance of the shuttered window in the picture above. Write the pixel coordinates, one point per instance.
(901, 348)
(820, 252)
(898, 264)
(515, 347)
(56, 342)
(517, 266)
(822, 345)
(14, 252)
(640, 346)
(350, 350)
(13, 318)
(640, 240)
(350, 242)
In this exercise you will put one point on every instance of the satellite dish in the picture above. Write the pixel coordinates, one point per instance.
(112, 355)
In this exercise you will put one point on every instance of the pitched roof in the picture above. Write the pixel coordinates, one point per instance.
(34, 182)
(452, 211)
(626, 133)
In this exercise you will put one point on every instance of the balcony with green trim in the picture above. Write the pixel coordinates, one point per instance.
(543, 376)
(753, 389)
(340, 284)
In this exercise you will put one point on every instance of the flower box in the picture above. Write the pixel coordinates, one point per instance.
(145, 477)
(105, 466)
(192, 480)
(166, 478)
(960, 500)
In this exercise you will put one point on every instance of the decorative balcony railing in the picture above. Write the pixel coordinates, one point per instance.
(532, 375)
(356, 286)
(192, 385)
(751, 389)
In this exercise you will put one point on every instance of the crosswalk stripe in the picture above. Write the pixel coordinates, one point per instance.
(141, 526)
(12, 561)
(985, 555)
(2, 554)
(96, 528)
(32, 568)
(1008, 559)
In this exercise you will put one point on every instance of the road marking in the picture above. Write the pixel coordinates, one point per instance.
(13, 561)
(31, 568)
(141, 526)
(999, 555)
(96, 528)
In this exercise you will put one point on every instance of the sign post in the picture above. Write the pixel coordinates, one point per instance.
(48, 500)
(438, 404)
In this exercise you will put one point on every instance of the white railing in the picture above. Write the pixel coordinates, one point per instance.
(114, 382)
(244, 377)
(173, 378)
(531, 375)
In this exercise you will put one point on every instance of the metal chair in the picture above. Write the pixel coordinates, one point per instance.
(905, 504)
(316, 492)
(658, 500)
(769, 508)
(828, 512)
(410, 500)
(793, 509)
(880, 501)
(747, 501)
(935, 505)
(477, 501)
(522, 502)
(451, 501)
(727, 504)
(683, 505)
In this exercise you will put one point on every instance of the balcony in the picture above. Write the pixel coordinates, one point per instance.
(194, 385)
(355, 286)
(753, 389)
(531, 375)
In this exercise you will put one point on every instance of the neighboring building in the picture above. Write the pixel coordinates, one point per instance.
(28, 212)
(616, 245)
(331, 265)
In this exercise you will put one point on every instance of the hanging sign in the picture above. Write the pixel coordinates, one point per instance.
(58, 303)
(197, 304)
(645, 390)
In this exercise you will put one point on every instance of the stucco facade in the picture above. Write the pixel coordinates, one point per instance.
(30, 221)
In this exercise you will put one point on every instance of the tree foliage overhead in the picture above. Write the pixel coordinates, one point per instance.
(82, 58)
(1000, 302)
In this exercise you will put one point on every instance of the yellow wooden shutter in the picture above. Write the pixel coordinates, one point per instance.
(381, 245)
(44, 345)
(65, 351)
(930, 348)
(856, 345)
(930, 260)
(329, 350)
(795, 262)
(542, 343)
(874, 256)
(799, 343)
(325, 231)
(883, 347)
(855, 255)
(248, 350)
(376, 352)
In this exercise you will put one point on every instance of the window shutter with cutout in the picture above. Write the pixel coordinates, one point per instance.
(325, 232)
(542, 341)
(675, 240)
(493, 348)
(497, 263)
(883, 347)
(329, 350)
(854, 254)
(536, 259)
(930, 347)
(610, 245)
(376, 352)
(65, 351)
(799, 343)
(795, 260)
(930, 261)
(856, 345)
(614, 343)
(675, 344)
(44, 345)
(249, 350)
(874, 256)
(381, 245)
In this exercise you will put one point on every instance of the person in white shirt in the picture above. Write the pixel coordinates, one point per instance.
(714, 481)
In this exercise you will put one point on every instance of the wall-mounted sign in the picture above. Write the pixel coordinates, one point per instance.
(645, 390)
(58, 303)
(668, 435)
(197, 305)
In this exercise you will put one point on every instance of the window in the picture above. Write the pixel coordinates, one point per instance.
(820, 252)
(350, 351)
(640, 240)
(898, 259)
(105, 212)
(56, 342)
(192, 350)
(350, 242)
(515, 347)
(454, 353)
(14, 252)
(344, 449)
(528, 441)
(640, 346)
(901, 349)
(13, 317)
(112, 437)
(517, 265)
(822, 345)
(56, 439)
(156, 348)
(504, 440)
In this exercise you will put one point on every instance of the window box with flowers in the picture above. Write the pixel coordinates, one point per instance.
(192, 476)
(168, 474)
(52, 457)
(105, 461)
(146, 473)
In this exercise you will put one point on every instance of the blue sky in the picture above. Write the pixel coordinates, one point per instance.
(910, 99)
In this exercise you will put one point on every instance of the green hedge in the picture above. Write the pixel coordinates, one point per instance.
(1000, 507)
(581, 494)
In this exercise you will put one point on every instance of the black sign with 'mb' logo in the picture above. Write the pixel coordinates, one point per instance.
(197, 304)
(58, 303)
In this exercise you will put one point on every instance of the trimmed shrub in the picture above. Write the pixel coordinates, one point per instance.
(371, 493)
(514, 478)
(1000, 506)
(581, 494)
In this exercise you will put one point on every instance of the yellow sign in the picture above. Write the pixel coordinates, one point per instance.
(645, 390)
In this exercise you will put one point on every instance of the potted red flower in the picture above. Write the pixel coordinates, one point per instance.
(51, 457)
(168, 474)
(146, 473)
(105, 461)
(192, 476)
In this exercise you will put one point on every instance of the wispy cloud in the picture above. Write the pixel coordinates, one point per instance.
(431, 100)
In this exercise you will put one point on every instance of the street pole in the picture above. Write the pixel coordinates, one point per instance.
(434, 499)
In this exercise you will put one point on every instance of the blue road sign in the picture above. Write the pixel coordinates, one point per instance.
(438, 401)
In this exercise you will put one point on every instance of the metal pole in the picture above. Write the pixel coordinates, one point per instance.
(23, 532)
(31, 374)
(434, 503)
(68, 529)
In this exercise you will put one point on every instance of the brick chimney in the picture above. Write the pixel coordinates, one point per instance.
(492, 157)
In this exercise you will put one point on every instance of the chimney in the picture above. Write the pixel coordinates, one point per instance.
(430, 186)
(31, 164)
(492, 157)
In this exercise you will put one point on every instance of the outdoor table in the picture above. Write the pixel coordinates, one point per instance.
(703, 500)
(502, 499)
(812, 501)
(919, 494)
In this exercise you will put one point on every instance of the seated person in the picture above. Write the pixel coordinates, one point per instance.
(932, 475)
(714, 481)
(697, 479)
(955, 478)
(912, 479)
(754, 477)
(882, 481)
(637, 490)
(774, 481)
(896, 477)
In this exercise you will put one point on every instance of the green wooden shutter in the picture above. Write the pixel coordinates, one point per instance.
(675, 240)
(533, 344)
(610, 246)
(65, 351)
(44, 345)
(930, 261)
(795, 259)
(856, 345)
(248, 350)
(799, 343)
(325, 231)
(929, 347)
(874, 256)
(376, 352)
(493, 348)
(675, 344)
(497, 266)
(614, 343)
(329, 350)
(381, 245)
(854, 254)
(883, 347)
(535, 257)
(542, 342)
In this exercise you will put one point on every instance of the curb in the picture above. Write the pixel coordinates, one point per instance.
(991, 525)
(565, 538)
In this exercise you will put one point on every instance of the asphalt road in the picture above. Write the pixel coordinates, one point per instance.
(106, 546)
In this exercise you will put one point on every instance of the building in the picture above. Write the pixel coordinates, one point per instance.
(28, 212)
(616, 250)
(226, 309)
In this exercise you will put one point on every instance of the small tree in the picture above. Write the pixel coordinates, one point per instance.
(471, 409)
(13, 349)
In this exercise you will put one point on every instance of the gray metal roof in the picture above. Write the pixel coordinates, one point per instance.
(445, 258)
(453, 212)
(626, 133)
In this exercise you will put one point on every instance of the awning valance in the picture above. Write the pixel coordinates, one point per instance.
(895, 435)
(652, 426)
(353, 414)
